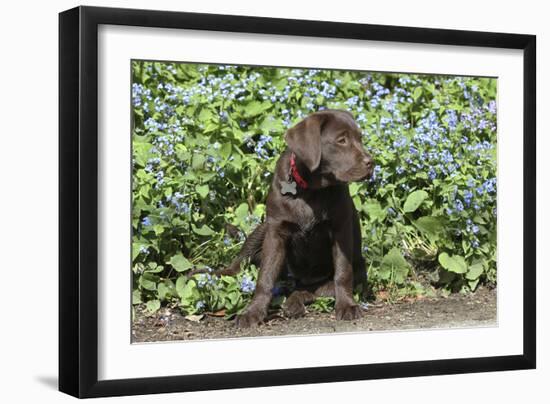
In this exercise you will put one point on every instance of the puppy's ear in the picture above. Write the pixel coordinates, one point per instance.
(304, 139)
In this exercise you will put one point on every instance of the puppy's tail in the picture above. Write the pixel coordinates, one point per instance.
(251, 249)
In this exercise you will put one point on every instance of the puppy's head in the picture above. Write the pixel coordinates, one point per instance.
(329, 143)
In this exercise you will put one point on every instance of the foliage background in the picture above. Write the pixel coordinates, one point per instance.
(205, 141)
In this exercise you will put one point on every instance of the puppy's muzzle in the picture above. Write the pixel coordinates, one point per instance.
(368, 164)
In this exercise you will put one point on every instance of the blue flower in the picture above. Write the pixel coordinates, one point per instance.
(259, 148)
(185, 208)
(247, 285)
(350, 102)
(400, 142)
(446, 156)
(146, 221)
(452, 119)
(492, 107)
(375, 173)
(490, 185)
(205, 279)
(468, 195)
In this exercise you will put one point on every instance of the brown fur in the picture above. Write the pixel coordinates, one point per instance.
(315, 234)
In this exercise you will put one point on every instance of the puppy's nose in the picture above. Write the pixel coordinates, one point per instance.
(367, 160)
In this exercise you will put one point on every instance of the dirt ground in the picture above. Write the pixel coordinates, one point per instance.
(456, 311)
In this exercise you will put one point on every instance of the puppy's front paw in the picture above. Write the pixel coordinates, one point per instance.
(294, 308)
(349, 312)
(250, 318)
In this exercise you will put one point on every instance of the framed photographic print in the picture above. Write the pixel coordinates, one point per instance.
(270, 201)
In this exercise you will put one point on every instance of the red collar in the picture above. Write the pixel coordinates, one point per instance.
(295, 174)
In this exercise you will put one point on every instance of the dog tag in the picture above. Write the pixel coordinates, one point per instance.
(288, 187)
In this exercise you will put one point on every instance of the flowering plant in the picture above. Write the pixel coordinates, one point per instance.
(205, 141)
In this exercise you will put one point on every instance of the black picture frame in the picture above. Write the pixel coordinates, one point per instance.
(78, 201)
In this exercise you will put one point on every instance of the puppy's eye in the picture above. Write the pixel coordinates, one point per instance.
(342, 141)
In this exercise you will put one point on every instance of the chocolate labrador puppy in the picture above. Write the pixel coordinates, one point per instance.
(311, 231)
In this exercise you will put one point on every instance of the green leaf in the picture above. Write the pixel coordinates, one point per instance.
(323, 304)
(187, 292)
(158, 229)
(259, 210)
(162, 291)
(353, 188)
(202, 190)
(205, 115)
(473, 284)
(234, 297)
(148, 281)
(417, 93)
(374, 210)
(270, 124)
(454, 263)
(198, 161)
(429, 224)
(208, 176)
(225, 151)
(153, 305)
(136, 247)
(180, 284)
(237, 161)
(152, 267)
(414, 200)
(255, 108)
(204, 230)
(141, 151)
(241, 211)
(210, 127)
(474, 271)
(166, 289)
(180, 263)
(394, 266)
(136, 296)
(358, 203)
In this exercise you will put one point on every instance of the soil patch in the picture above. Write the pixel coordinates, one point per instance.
(456, 311)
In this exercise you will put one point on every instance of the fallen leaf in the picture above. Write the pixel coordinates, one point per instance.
(194, 317)
(219, 313)
(383, 295)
